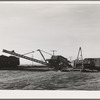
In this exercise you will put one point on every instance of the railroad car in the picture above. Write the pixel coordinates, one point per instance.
(9, 62)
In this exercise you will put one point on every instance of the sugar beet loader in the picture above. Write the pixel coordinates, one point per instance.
(56, 62)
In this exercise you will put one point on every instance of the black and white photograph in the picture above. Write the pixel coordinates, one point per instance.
(49, 46)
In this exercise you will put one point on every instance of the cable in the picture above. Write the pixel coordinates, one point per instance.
(46, 52)
(28, 53)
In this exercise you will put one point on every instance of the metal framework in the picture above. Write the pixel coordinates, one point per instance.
(25, 57)
(80, 57)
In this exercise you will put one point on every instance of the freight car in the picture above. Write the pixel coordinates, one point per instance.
(59, 62)
(9, 62)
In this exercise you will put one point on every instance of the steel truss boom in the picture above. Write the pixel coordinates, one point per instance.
(25, 57)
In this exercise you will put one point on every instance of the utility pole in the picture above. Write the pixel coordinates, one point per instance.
(70, 58)
(53, 51)
(32, 61)
(29, 53)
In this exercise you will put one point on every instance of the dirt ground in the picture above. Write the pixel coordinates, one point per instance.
(49, 80)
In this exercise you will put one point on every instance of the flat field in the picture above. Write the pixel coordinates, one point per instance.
(49, 80)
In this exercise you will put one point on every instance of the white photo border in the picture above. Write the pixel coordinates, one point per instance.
(46, 94)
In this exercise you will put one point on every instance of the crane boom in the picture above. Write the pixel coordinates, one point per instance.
(78, 60)
(42, 54)
(25, 57)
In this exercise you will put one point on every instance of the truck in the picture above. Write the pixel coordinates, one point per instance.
(92, 63)
(88, 64)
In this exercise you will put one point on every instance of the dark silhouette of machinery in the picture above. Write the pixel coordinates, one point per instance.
(87, 63)
(91, 64)
(55, 62)
(59, 62)
(78, 63)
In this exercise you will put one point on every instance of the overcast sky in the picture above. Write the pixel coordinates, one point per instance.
(62, 27)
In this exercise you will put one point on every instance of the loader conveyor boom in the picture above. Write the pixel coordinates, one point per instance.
(25, 57)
